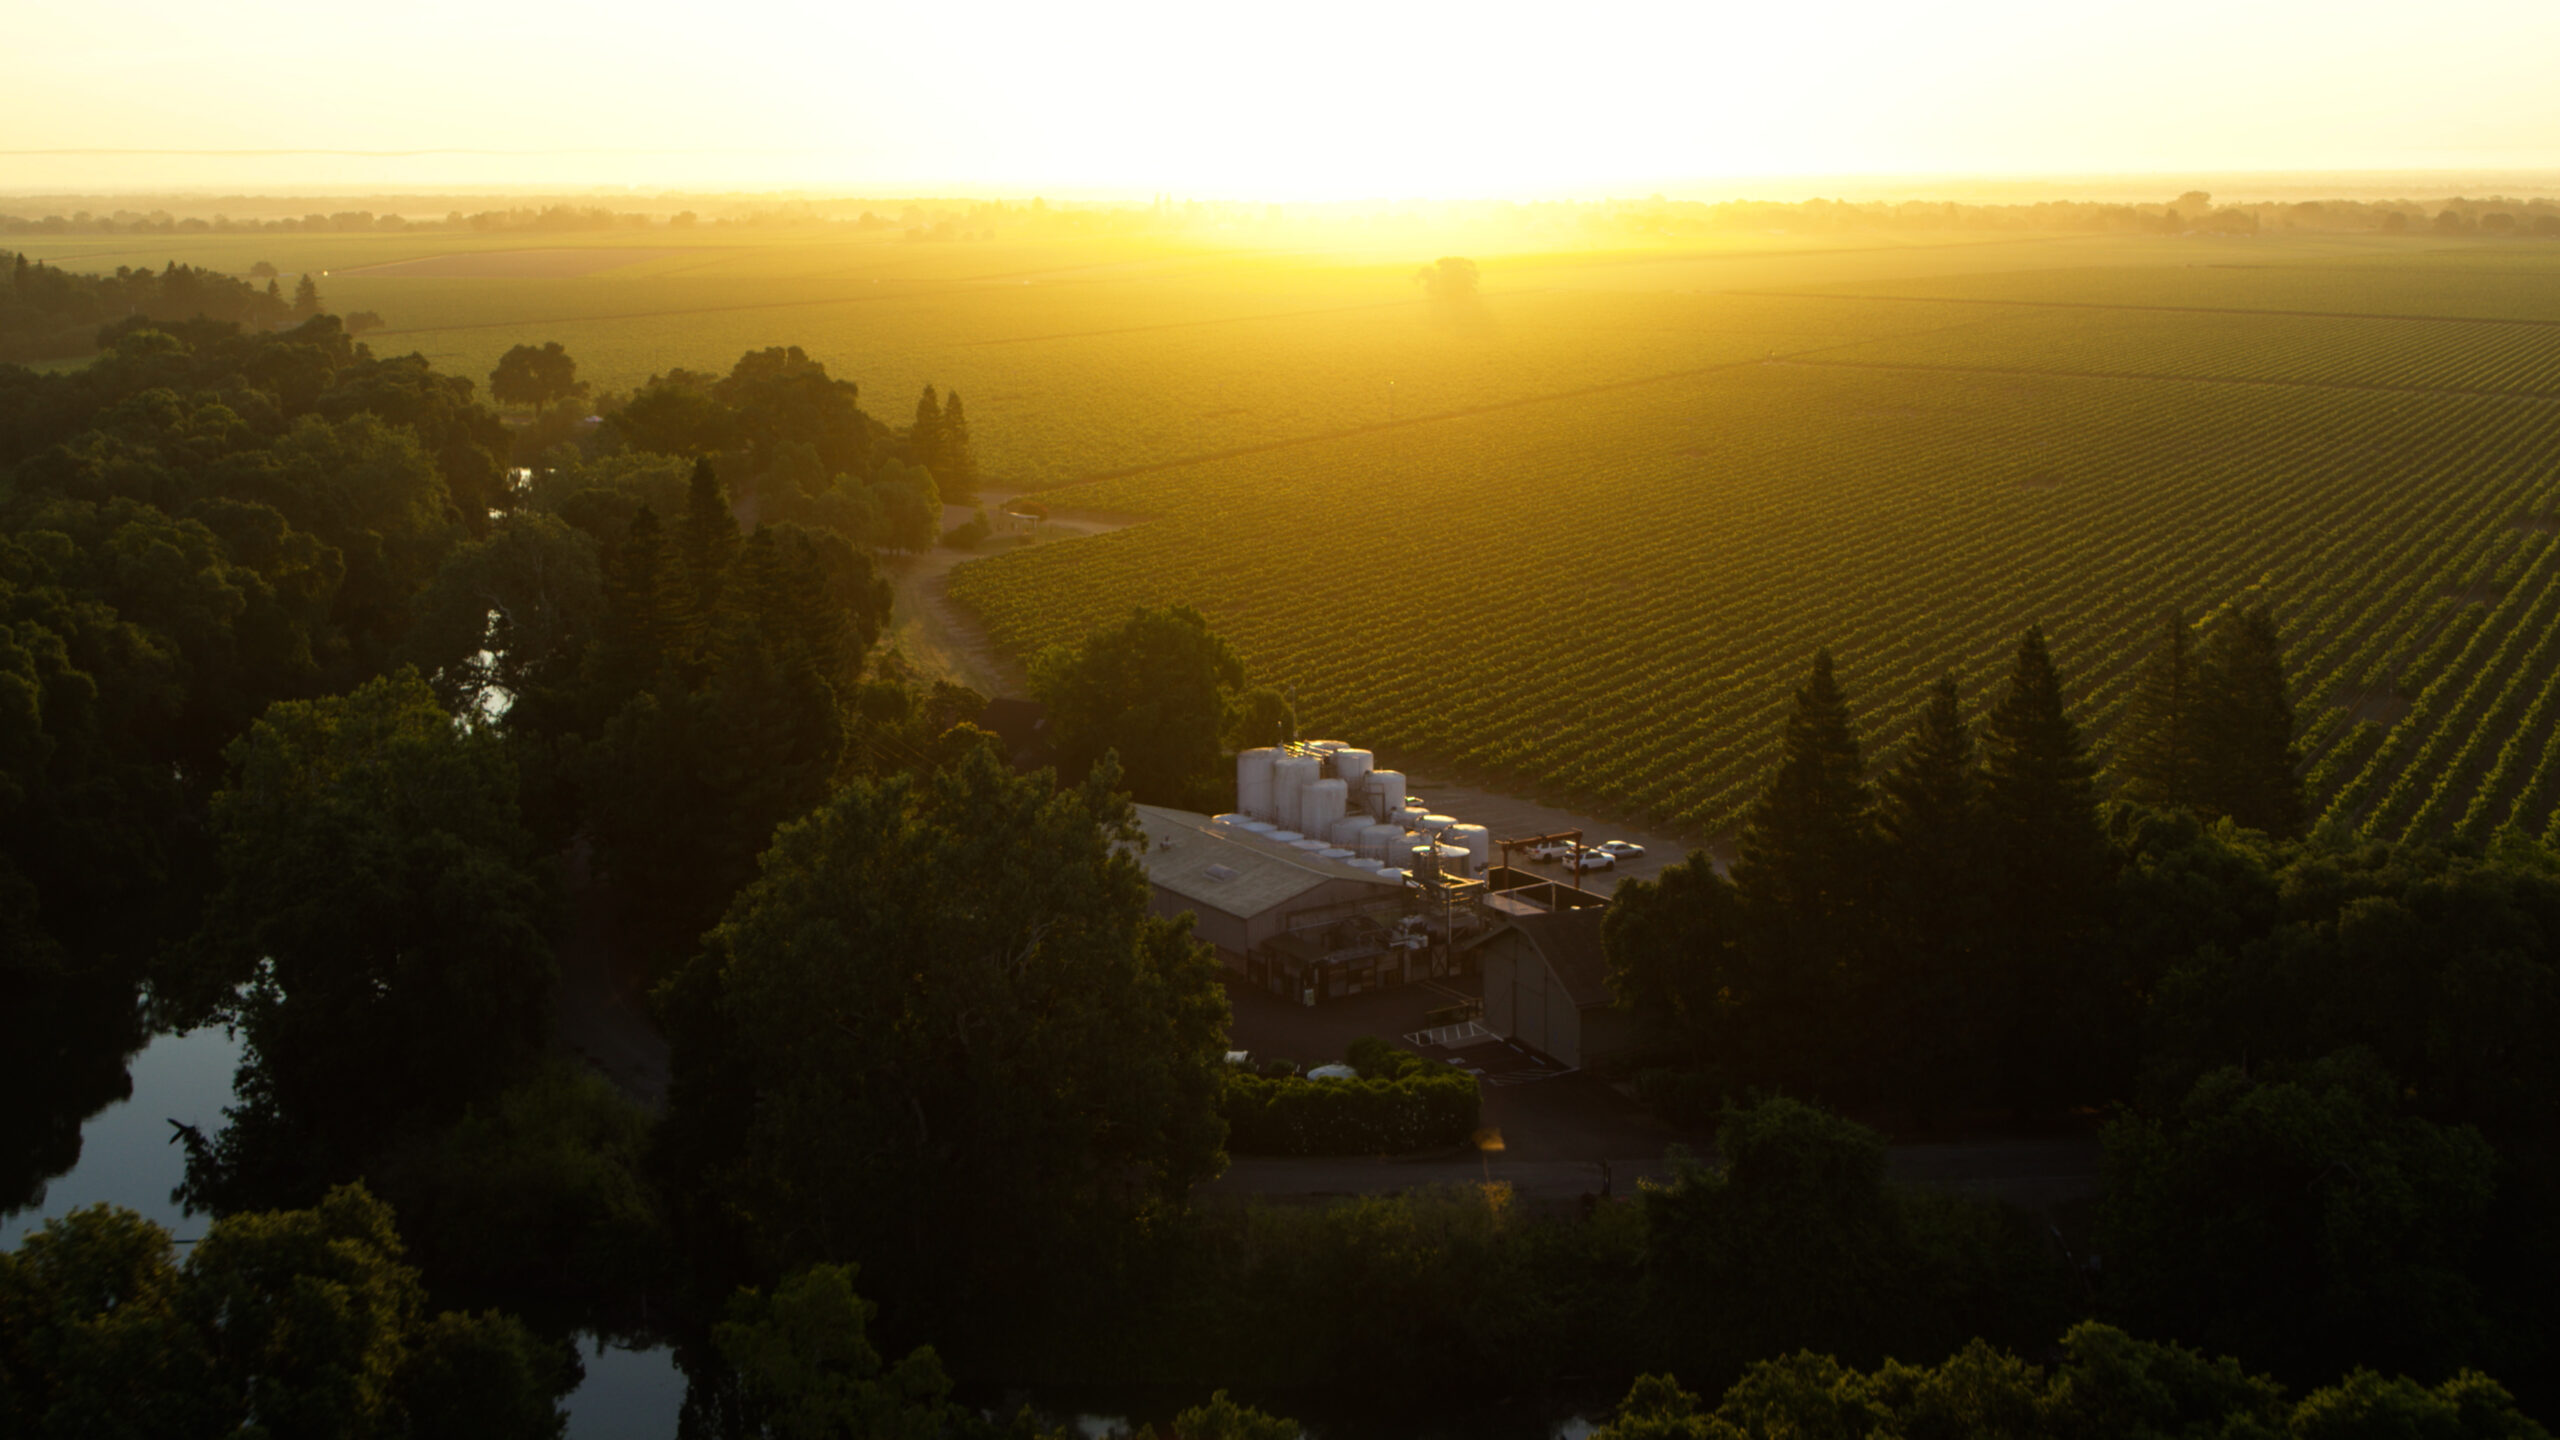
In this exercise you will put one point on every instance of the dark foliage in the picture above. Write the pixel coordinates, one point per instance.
(2342, 1147)
(1294, 1116)
(2103, 1384)
(941, 1032)
(299, 1325)
(50, 314)
(1155, 691)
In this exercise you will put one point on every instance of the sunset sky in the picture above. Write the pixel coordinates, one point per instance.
(1318, 100)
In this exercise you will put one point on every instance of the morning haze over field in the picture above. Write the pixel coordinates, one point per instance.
(1382, 721)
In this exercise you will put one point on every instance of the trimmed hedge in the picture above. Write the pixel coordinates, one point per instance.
(1297, 1116)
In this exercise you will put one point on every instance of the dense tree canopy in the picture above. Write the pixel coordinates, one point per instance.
(1798, 1240)
(2103, 1383)
(378, 934)
(536, 376)
(805, 1367)
(2343, 1150)
(712, 700)
(941, 1035)
(300, 1325)
(199, 523)
(1154, 690)
(48, 313)
(784, 432)
(2212, 731)
(2301, 1219)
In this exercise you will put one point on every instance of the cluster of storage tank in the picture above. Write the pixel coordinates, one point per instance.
(1332, 800)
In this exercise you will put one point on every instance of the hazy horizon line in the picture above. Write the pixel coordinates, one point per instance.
(2371, 180)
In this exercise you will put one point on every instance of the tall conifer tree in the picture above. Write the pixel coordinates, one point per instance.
(1804, 846)
(634, 632)
(1931, 799)
(2040, 796)
(2046, 864)
(956, 471)
(707, 544)
(2251, 768)
(1923, 986)
(1802, 878)
(306, 297)
(925, 437)
(2158, 761)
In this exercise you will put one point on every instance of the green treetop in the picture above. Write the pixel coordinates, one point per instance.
(2251, 765)
(2040, 798)
(538, 377)
(2045, 867)
(956, 467)
(1803, 852)
(942, 1031)
(1921, 976)
(924, 437)
(291, 1325)
(380, 916)
(1154, 689)
(2157, 756)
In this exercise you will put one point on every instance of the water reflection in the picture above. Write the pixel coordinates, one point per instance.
(627, 1395)
(87, 1126)
(84, 1102)
(121, 1155)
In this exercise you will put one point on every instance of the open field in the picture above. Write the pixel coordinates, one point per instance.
(553, 263)
(1086, 357)
(1580, 540)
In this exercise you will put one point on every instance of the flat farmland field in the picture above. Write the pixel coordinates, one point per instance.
(1581, 538)
(1086, 357)
(1609, 596)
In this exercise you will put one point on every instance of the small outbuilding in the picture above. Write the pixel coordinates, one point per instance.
(1546, 986)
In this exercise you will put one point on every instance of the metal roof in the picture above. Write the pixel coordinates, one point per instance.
(1198, 860)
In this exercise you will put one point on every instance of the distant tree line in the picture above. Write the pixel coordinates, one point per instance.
(2191, 213)
(48, 313)
(556, 219)
(952, 220)
(798, 440)
(940, 220)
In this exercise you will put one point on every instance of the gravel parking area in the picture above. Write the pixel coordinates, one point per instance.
(1509, 818)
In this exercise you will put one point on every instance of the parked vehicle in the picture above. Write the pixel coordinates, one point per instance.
(1559, 850)
(1621, 849)
(1593, 859)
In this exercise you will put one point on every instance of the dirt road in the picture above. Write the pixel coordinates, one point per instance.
(939, 636)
